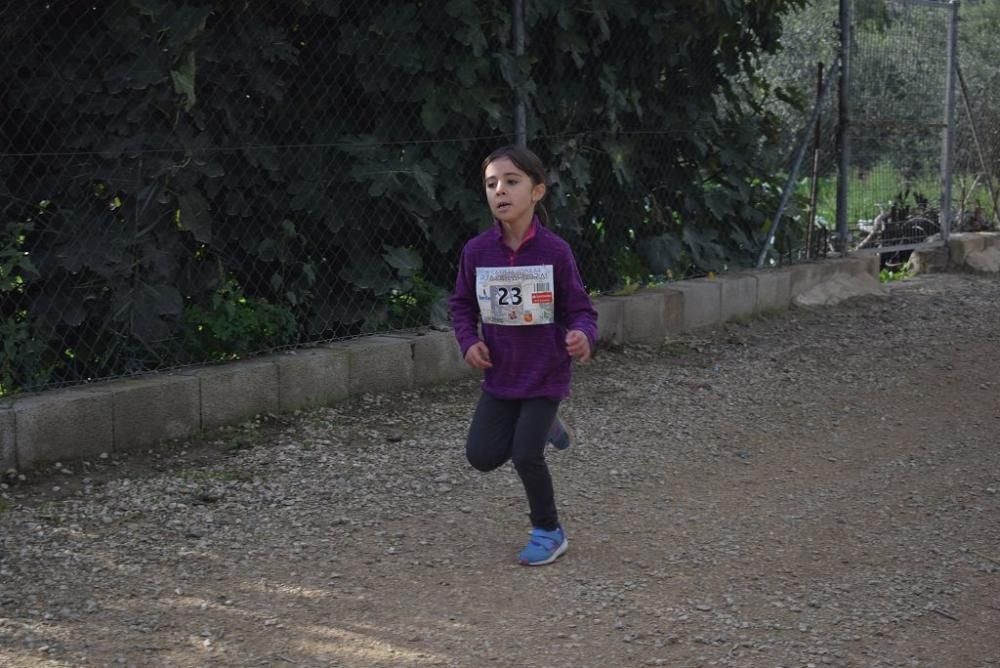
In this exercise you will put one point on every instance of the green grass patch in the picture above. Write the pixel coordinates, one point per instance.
(883, 184)
(889, 275)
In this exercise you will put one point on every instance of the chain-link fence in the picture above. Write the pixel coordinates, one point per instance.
(806, 70)
(919, 163)
(976, 182)
(191, 182)
(194, 181)
(922, 159)
(805, 231)
(898, 89)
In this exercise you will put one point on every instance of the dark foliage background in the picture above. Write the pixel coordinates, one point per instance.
(184, 181)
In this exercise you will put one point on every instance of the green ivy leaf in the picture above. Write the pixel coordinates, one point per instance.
(369, 273)
(661, 252)
(183, 79)
(405, 261)
(194, 216)
(431, 114)
(185, 24)
(700, 240)
(720, 203)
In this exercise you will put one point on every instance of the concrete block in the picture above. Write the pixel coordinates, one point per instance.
(610, 319)
(8, 440)
(650, 314)
(990, 239)
(839, 288)
(960, 245)
(738, 295)
(236, 392)
(673, 309)
(146, 411)
(869, 263)
(642, 317)
(854, 266)
(63, 424)
(984, 261)
(774, 290)
(928, 261)
(702, 302)
(806, 276)
(438, 359)
(311, 377)
(378, 364)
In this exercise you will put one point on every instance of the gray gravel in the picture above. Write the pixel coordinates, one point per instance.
(814, 489)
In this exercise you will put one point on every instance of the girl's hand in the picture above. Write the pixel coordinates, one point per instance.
(478, 356)
(578, 345)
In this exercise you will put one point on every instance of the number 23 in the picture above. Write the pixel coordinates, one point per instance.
(513, 293)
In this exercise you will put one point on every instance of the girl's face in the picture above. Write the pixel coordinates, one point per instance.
(510, 192)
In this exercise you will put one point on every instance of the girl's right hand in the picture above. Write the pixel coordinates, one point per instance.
(478, 356)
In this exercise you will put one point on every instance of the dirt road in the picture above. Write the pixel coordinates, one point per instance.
(816, 489)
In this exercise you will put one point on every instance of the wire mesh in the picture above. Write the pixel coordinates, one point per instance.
(201, 181)
(810, 46)
(806, 230)
(976, 192)
(186, 183)
(192, 182)
(897, 93)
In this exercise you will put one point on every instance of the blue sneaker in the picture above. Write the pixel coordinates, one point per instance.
(543, 547)
(559, 435)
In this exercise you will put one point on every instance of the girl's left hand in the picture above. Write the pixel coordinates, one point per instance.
(578, 345)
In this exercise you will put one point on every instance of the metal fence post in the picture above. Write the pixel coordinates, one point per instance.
(814, 180)
(948, 144)
(843, 118)
(793, 172)
(520, 115)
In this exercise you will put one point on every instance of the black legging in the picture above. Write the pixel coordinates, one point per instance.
(516, 429)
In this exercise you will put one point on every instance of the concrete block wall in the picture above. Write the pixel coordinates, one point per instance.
(990, 239)
(311, 377)
(611, 319)
(961, 245)
(378, 364)
(977, 252)
(738, 296)
(234, 393)
(62, 424)
(148, 410)
(142, 412)
(774, 290)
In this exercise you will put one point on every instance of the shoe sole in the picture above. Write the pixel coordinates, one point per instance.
(569, 436)
(561, 550)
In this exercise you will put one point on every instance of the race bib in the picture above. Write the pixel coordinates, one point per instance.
(516, 295)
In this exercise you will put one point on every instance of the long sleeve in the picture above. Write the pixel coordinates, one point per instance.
(463, 305)
(580, 312)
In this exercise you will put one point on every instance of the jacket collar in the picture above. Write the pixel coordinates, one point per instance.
(532, 230)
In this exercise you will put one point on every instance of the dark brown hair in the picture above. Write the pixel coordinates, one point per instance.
(529, 163)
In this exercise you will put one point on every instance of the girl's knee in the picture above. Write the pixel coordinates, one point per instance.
(481, 461)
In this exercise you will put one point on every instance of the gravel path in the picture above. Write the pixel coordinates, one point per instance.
(820, 488)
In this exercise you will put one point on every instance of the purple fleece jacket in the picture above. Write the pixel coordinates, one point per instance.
(528, 361)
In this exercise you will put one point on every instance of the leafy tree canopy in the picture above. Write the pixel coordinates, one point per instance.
(179, 161)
